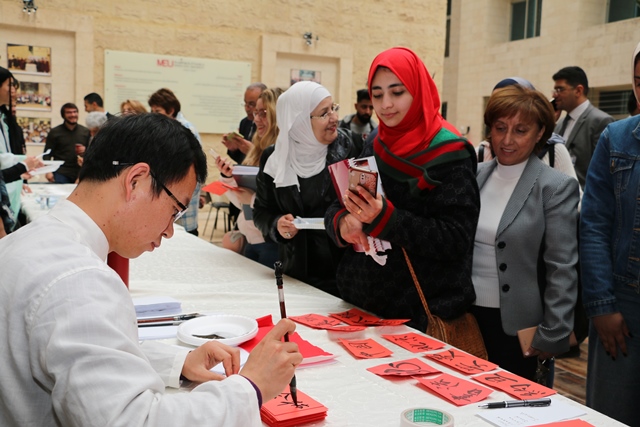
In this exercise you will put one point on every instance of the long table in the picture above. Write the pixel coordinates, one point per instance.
(207, 278)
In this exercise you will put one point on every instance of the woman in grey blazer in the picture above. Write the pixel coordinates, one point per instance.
(525, 249)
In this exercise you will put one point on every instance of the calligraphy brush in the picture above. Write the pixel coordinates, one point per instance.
(283, 314)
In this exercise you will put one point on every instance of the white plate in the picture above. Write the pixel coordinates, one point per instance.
(236, 329)
(309, 223)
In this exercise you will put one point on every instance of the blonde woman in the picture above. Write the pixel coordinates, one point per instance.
(131, 106)
(250, 241)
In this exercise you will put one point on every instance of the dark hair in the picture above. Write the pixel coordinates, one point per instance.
(94, 97)
(632, 103)
(4, 75)
(362, 94)
(530, 104)
(67, 106)
(163, 143)
(166, 99)
(574, 76)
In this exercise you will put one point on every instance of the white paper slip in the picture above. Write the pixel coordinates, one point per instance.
(156, 305)
(219, 368)
(309, 223)
(49, 166)
(531, 416)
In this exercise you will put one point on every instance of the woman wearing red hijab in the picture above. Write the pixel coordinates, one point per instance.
(430, 207)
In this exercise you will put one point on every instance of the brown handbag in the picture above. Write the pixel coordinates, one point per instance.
(462, 332)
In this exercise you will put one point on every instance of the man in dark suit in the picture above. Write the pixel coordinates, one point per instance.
(584, 123)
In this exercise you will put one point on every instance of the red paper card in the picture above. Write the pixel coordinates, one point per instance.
(282, 412)
(516, 386)
(216, 187)
(366, 349)
(463, 362)
(458, 391)
(569, 423)
(413, 342)
(318, 321)
(310, 352)
(403, 368)
(356, 317)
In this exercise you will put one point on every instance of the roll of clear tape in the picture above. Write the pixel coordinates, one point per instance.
(425, 417)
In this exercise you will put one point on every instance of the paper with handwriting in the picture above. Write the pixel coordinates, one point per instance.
(515, 385)
(403, 368)
(318, 321)
(461, 361)
(357, 317)
(366, 349)
(282, 412)
(415, 343)
(456, 390)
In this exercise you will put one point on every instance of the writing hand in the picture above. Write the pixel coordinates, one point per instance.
(285, 226)
(198, 363)
(612, 330)
(272, 363)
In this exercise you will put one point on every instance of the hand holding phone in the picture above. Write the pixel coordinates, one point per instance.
(364, 177)
(233, 134)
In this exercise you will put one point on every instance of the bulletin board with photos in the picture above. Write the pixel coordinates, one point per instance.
(31, 68)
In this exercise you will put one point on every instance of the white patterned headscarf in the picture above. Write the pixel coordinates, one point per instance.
(297, 153)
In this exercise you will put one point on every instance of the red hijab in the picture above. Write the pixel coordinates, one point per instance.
(423, 120)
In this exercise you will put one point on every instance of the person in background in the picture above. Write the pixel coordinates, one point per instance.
(93, 102)
(131, 106)
(609, 227)
(94, 121)
(429, 208)
(164, 101)
(554, 154)
(14, 165)
(294, 181)
(238, 148)
(361, 121)
(257, 247)
(527, 226)
(583, 123)
(69, 343)
(66, 141)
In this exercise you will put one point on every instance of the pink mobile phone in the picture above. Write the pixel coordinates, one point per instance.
(364, 177)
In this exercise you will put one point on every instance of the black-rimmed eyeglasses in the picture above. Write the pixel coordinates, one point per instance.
(182, 207)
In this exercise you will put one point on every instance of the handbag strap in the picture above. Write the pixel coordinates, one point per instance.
(418, 288)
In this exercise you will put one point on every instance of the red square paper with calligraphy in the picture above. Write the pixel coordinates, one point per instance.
(318, 321)
(515, 385)
(282, 412)
(356, 317)
(461, 361)
(366, 349)
(457, 390)
(402, 368)
(413, 342)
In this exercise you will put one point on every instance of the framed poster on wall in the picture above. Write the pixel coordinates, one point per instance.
(33, 96)
(210, 91)
(34, 129)
(25, 59)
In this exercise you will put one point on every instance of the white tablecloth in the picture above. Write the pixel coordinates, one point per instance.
(43, 197)
(208, 278)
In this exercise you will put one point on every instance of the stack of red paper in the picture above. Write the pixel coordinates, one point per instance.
(281, 411)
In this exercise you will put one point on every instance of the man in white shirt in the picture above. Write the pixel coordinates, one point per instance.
(583, 124)
(69, 350)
